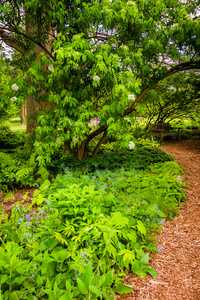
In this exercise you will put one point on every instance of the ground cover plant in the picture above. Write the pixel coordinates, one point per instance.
(20, 168)
(89, 227)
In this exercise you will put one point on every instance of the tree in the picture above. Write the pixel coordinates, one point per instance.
(173, 98)
(8, 103)
(95, 59)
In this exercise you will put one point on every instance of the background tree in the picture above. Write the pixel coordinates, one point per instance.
(95, 59)
(8, 100)
(173, 98)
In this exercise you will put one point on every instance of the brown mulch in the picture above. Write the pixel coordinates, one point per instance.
(19, 196)
(178, 264)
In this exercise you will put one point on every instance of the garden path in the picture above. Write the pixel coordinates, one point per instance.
(178, 264)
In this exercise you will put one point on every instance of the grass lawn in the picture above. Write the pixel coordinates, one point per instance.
(15, 124)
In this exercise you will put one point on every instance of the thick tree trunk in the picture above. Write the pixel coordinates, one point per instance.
(82, 150)
(23, 113)
(33, 107)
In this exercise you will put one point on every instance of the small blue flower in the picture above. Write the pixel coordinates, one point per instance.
(160, 248)
(28, 216)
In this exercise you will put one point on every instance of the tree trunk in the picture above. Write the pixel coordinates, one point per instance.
(102, 140)
(23, 113)
(82, 150)
(33, 107)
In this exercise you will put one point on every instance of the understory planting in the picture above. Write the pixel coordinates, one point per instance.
(87, 228)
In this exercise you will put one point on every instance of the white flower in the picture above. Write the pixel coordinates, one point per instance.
(96, 78)
(14, 87)
(13, 99)
(131, 145)
(131, 97)
(130, 3)
(126, 48)
(75, 139)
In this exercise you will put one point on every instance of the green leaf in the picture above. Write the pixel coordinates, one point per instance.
(19, 280)
(109, 279)
(123, 289)
(81, 286)
(141, 228)
(144, 259)
(87, 275)
(39, 280)
(151, 271)
(50, 269)
(94, 290)
(4, 278)
(13, 296)
(68, 286)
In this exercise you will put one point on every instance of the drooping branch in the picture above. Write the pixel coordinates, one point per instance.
(183, 67)
(178, 68)
(130, 109)
(97, 132)
(12, 42)
(100, 143)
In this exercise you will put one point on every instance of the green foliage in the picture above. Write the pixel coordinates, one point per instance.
(173, 98)
(89, 229)
(10, 139)
(105, 57)
(15, 172)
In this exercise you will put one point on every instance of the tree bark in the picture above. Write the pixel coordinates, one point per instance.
(23, 113)
(102, 140)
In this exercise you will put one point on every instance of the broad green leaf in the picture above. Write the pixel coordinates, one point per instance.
(141, 228)
(4, 278)
(123, 288)
(109, 279)
(13, 296)
(151, 271)
(144, 259)
(87, 275)
(94, 290)
(81, 286)
(39, 280)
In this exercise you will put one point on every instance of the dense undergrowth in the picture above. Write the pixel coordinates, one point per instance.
(88, 226)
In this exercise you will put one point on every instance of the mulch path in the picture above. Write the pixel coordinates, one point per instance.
(178, 264)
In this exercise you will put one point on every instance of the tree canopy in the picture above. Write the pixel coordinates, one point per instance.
(95, 59)
(173, 98)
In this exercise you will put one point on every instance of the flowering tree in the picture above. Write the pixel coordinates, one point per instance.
(95, 59)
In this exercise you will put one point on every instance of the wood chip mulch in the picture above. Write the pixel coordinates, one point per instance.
(178, 264)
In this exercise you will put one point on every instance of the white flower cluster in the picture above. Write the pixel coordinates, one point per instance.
(131, 145)
(131, 97)
(75, 139)
(124, 47)
(14, 87)
(130, 3)
(96, 78)
(13, 99)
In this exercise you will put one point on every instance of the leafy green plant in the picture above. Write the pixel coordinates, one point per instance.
(89, 227)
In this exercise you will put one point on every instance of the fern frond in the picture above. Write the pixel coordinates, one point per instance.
(6, 159)
(43, 172)
(32, 160)
(24, 172)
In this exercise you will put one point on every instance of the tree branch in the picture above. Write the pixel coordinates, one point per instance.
(11, 42)
(28, 37)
